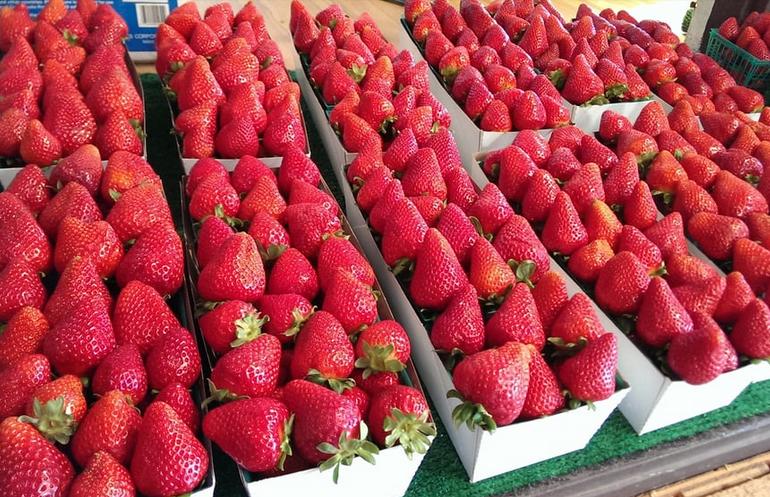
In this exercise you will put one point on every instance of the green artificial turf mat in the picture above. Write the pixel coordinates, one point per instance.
(441, 473)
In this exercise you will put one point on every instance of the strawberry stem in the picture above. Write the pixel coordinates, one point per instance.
(378, 358)
(346, 450)
(472, 414)
(286, 450)
(339, 385)
(409, 430)
(248, 328)
(52, 420)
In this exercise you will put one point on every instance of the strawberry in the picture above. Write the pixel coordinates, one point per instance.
(382, 347)
(400, 414)
(668, 235)
(544, 395)
(308, 225)
(700, 169)
(20, 286)
(622, 294)
(20, 380)
(749, 335)
(577, 321)
(582, 84)
(79, 284)
(534, 145)
(124, 171)
(213, 192)
(516, 320)
(246, 173)
(716, 234)
(220, 280)
(264, 198)
(293, 273)
(423, 175)
(489, 273)
(539, 196)
(323, 352)
(230, 324)
(759, 227)
(589, 376)
(729, 28)
(260, 447)
(737, 296)
(748, 100)
(460, 189)
(591, 150)
(122, 370)
(613, 77)
(13, 123)
(403, 235)
(461, 325)
(83, 165)
(437, 274)
(601, 223)
(491, 386)
(156, 259)
(141, 316)
(23, 334)
(699, 357)
(29, 185)
(664, 173)
(691, 199)
(115, 92)
(173, 359)
(72, 201)
(96, 240)
(32, 462)
(704, 143)
(753, 261)
(497, 118)
(327, 420)
(562, 163)
(199, 85)
(381, 211)
(137, 210)
(612, 124)
(248, 370)
(642, 145)
(168, 459)
(111, 425)
(181, 401)
(702, 297)
(735, 197)
(513, 168)
(563, 232)
(344, 288)
(213, 232)
(587, 262)
(103, 475)
(491, 209)
(286, 314)
(38, 145)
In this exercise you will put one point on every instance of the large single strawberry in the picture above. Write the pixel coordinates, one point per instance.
(249, 370)
(23, 334)
(577, 321)
(31, 462)
(138, 209)
(73, 200)
(20, 286)
(323, 353)
(111, 425)
(122, 370)
(79, 284)
(173, 359)
(750, 333)
(589, 376)
(308, 225)
(517, 320)
(622, 283)
(351, 301)
(180, 399)
(437, 274)
(492, 386)
(19, 382)
(21, 238)
(96, 240)
(699, 356)
(103, 475)
(737, 296)
(168, 459)
(156, 259)
(235, 273)
(57, 407)
(29, 185)
(254, 432)
(400, 415)
(661, 316)
(563, 232)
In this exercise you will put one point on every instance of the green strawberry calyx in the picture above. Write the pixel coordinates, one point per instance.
(378, 358)
(346, 450)
(472, 414)
(410, 430)
(272, 252)
(220, 395)
(357, 72)
(248, 328)
(219, 211)
(574, 403)
(401, 265)
(339, 385)
(53, 419)
(616, 91)
(524, 270)
(299, 319)
(286, 450)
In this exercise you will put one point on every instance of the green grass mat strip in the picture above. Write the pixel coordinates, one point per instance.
(441, 473)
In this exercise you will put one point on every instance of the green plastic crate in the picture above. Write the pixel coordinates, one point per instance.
(747, 70)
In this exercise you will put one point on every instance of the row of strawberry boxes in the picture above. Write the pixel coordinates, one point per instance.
(394, 470)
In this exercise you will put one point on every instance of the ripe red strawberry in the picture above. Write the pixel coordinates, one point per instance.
(345, 289)
(400, 415)
(437, 274)
(115, 92)
(489, 273)
(665, 173)
(729, 28)
(749, 335)
(31, 462)
(699, 357)
(124, 171)
(591, 150)
(13, 123)
(691, 199)
(230, 324)
(137, 210)
(168, 459)
(199, 85)
(79, 284)
(293, 273)
(286, 313)
(381, 211)
(156, 259)
(249, 370)
(588, 261)
(181, 401)
(103, 475)
(246, 172)
(701, 297)
(642, 145)
(423, 175)
(382, 347)
(494, 382)
(264, 197)
(340, 253)
(96, 240)
(83, 165)
(704, 143)
(661, 316)
(308, 225)
(491, 209)
(589, 376)
(716, 234)
(735, 197)
(612, 124)
(550, 295)
(517, 320)
(214, 231)
(544, 395)
(20, 286)
(403, 235)
(260, 446)
(461, 325)
(235, 273)
(23, 334)
(19, 382)
(215, 191)
(29, 185)
(582, 84)
(601, 223)
(639, 209)
(753, 261)
(737, 296)
(668, 235)
(621, 284)
(72, 201)
(563, 232)
(323, 353)
(141, 316)
(577, 320)
(173, 359)
(111, 425)
(122, 370)
(38, 145)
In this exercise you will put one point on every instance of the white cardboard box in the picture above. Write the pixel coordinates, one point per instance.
(393, 471)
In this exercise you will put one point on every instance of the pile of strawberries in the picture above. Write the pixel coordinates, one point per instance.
(484, 68)
(671, 68)
(429, 220)
(592, 208)
(64, 83)
(751, 35)
(77, 366)
(233, 92)
(358, 72)
(292, 315)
